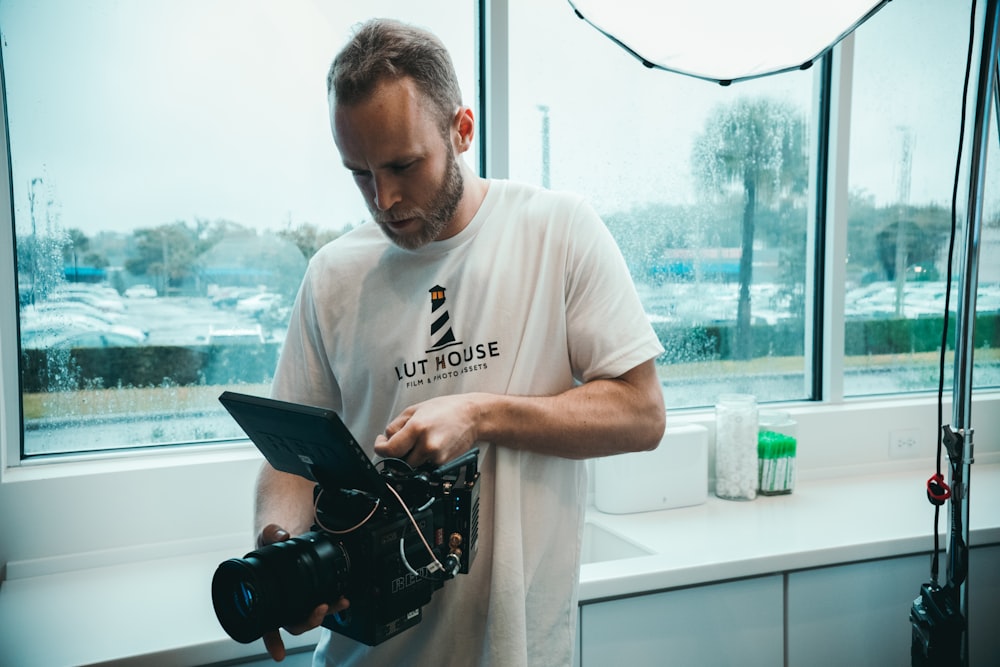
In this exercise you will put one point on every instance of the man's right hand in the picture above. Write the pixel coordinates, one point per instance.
(270, 534)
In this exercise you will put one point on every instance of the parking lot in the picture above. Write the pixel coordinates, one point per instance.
(261, 316)
(187, 320)
(82, 316)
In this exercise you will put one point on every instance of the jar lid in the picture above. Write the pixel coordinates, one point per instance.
(774, 418)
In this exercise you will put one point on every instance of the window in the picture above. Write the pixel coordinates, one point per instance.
(172, 170)
(709, 192)
(909, 65)
(680, 169)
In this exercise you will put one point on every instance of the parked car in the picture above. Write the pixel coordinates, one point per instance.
(49, 326)
(141, 292)
(103, 298)
(228, 297)
(49, 339)
(258, 303)
(68, 309)
(236, 336)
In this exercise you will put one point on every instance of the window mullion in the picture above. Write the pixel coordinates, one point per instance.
(837, 209)
(494, 126)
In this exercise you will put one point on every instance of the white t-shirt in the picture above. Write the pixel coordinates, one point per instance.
(531, 298)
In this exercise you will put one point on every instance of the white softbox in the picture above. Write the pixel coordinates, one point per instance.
(726, 41)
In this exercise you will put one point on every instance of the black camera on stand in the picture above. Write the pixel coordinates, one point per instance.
(937, 627)
(384, 539)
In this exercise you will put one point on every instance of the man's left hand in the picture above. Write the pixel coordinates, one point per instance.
(436, 431)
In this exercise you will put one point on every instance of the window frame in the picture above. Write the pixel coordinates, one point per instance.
(10, 387)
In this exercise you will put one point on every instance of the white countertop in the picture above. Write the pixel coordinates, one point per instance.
(159, 612)
(821, 523)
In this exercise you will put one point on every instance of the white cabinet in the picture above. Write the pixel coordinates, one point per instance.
(732, 623)
(858, 614)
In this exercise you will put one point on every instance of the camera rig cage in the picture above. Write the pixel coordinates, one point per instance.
(385, 539)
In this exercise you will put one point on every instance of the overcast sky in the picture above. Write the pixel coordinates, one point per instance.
(128, 134)
(192, 109)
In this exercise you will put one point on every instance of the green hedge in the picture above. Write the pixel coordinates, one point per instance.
(156, 366)
(895, 336)
(861, 338)
(717, 341)
(146, 366)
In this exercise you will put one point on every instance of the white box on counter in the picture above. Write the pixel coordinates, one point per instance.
(675, 474)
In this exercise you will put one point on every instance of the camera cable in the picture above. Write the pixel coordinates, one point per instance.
(345, 531)
(435, 564)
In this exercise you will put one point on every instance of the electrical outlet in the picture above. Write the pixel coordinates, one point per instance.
(903, 443)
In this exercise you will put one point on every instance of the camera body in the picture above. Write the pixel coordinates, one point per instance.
(392, 574)
(387, 553)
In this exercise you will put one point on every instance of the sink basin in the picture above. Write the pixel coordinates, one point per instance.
(600, 544)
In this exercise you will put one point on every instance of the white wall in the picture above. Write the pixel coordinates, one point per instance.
(68, 515)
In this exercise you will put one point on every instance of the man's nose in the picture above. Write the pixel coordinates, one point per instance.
(386, 193)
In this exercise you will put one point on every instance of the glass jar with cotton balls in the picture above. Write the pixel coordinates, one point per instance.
(736, 463)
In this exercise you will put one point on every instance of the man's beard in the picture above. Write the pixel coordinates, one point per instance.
(437, 215)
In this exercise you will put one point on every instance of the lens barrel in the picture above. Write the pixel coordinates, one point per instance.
(278, 584)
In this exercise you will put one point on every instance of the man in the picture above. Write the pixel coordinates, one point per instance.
(470, 312)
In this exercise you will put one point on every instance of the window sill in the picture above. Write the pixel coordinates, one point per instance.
(62, 466)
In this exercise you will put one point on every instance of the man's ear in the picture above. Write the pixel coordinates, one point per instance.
(463, 129)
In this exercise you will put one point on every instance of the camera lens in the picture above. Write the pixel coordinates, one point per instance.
(278, 584)
(243, 598)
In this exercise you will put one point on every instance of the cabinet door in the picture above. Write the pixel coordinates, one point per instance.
(984, 605)
(859, 614)
(856, 614)
(733, 623)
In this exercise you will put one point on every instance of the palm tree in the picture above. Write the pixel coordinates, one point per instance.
(754, 148)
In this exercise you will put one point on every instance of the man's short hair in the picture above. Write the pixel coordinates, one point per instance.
(384, 49)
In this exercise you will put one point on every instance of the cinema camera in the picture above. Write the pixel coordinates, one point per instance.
(386, 542)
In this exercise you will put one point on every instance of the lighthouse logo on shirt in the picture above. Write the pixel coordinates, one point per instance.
(447, 356)
(442, 335)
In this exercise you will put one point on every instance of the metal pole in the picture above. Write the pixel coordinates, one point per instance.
(996, 93)
(961, 455)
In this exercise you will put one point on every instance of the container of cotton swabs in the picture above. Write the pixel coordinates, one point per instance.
(776, 445)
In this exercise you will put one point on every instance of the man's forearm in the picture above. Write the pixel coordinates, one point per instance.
(599, 418)
(284, 500)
